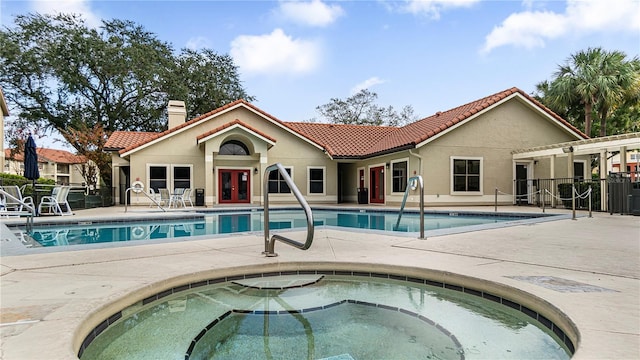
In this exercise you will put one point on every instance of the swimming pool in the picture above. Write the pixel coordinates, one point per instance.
(214, 223)
(325, 314)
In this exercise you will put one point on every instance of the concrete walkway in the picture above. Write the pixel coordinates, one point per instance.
(588, 269)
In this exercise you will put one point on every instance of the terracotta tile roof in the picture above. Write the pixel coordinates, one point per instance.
(348, 141)
(553, 114)
(341, 140)
(230, 124)
(49, 155)
(421, 130)
(123, 139)
(133, 145)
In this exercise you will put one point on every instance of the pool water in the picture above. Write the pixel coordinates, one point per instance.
(247, 221)
(340, 317)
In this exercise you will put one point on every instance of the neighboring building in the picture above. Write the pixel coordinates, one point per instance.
(60, 165)
(463, 154)
(4, 111)
(632, 162)
(631, 165)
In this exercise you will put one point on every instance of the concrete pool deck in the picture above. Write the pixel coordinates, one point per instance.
(587, 268)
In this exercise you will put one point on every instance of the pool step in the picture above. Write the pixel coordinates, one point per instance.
(339, 357)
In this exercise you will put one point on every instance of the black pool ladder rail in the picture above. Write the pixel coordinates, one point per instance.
(269, 244)
(412, 182)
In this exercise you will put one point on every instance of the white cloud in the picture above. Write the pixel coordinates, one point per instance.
(530, 29)
(197, 43)
(433, 8)
(313, 13)
(274, 53)
(602, 15)
(366, 84)
(68, 7)
(526, 29)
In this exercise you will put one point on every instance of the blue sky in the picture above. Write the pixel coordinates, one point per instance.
(430, 54)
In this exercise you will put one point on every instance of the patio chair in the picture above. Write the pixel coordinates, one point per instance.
(52, 238)
(155, 196)
(56, 203)
(185, 198)
(176, 197)
(15, 201)
(165, 197)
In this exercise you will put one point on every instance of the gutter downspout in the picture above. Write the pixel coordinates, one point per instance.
(421, 177)
(419, 161)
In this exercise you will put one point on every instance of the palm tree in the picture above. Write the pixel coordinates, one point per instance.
(621, 80)
(598, 80)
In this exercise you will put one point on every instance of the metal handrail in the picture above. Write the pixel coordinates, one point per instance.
(145, 194)
(30, 214)
(404, 202)
(269, 244)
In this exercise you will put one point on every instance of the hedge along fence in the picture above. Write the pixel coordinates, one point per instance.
(564, 192)
(20, 181)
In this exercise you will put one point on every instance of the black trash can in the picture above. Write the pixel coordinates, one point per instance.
(363, 195)
(199, 197)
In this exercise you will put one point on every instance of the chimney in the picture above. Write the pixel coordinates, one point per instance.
(177, 113)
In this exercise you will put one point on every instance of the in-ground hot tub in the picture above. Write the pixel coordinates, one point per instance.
(332, 314)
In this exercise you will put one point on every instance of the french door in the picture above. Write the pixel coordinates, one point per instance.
(376, 185)
(233, 186)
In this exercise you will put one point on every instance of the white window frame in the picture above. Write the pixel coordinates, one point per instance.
(452, 175)
(324, 180)
(290, 168)
(168, 171)
(169, 179)
(585, 172)
(406, 175)
(190, 166)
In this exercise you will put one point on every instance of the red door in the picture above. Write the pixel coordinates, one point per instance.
(233, 186)
(376, 185)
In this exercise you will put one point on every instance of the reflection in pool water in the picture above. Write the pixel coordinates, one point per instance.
(318, 316)
(225, 223)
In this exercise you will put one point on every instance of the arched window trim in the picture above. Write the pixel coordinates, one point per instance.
(234, 147)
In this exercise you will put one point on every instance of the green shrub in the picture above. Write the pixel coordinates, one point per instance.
(564, 192)
(11, 179)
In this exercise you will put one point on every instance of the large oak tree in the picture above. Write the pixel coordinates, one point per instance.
(60, 74)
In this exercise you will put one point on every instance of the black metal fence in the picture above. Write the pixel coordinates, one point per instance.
(622, 192)
(80, 196)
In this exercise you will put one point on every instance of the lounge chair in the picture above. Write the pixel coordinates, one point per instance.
(56, 203)
(13, 199)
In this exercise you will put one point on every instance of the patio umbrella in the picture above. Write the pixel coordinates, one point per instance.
(31, 171)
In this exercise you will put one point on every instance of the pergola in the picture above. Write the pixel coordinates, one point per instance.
(601, 146)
